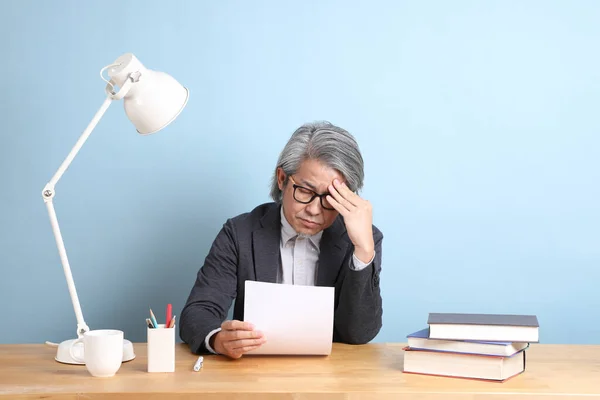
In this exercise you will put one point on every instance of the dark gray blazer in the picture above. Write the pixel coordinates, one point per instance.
(247, 248)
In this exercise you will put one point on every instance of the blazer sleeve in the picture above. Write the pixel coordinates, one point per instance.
(358, 314)
(213, 292)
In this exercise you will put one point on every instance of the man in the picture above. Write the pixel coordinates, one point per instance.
(317, 231)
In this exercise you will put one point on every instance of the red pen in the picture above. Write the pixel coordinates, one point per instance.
(169, 313)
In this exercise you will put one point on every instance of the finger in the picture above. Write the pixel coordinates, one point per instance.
(237, 353)
(234, 354)
(345, 191)
(239, 344)
(236, 325)
(337, 206)
(340, 199)
(240, 335)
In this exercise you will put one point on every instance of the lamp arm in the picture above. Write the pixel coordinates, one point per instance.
(80, 142)
(48, 195)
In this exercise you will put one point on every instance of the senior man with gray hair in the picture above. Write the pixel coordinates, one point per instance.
(318, 231)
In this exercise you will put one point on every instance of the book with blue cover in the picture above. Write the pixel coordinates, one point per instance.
(420, 340)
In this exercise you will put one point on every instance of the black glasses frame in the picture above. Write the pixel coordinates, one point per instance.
(315, 194)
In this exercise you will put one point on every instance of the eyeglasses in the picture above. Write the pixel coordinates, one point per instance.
(305, 196)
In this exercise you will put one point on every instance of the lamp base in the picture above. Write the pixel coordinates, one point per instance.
(63, 355)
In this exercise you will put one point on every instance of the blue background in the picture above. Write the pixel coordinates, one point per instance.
(478, 122)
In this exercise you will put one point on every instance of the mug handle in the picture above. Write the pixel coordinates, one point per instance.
(73, 356)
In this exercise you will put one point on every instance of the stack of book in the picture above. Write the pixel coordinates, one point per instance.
(476, 346)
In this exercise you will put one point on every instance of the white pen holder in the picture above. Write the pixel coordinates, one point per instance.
(161, 349)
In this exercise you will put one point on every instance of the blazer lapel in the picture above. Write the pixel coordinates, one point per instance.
(333, 248)
(265, 246)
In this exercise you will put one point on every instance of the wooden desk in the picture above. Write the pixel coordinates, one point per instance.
(371, 371)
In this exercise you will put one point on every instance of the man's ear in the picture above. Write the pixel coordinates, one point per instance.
(280, 178)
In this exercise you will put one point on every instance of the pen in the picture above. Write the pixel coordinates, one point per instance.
(198, 365)
(149, 323)
(169, 314)
(153, 318)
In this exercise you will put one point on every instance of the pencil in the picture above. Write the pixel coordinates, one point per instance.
(153, 319)
(169, 313)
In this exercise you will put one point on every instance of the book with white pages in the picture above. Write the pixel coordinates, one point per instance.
(420, 340)
(459, 365)
(488, 327)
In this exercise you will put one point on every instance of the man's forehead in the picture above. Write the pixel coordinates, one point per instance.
(316, 175)
(314, 183)
(309, 183)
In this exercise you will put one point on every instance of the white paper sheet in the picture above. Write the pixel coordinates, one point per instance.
(295, 319)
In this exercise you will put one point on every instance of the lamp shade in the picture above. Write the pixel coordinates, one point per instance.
(153, 100)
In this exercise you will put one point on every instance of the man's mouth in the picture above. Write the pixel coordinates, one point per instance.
(308, 223)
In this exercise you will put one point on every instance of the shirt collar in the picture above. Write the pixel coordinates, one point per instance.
(288, 232)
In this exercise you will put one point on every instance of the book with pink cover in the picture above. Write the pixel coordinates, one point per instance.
(460, 365)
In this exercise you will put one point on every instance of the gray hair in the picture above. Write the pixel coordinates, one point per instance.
(326, 143)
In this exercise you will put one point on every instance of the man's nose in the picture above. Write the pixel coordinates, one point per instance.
(314, 207)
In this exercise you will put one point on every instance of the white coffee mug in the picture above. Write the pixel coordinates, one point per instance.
(102, 351)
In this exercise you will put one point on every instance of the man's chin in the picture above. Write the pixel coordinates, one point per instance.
(306, 232)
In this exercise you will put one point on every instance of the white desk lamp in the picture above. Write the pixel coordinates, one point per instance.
(152, 100)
